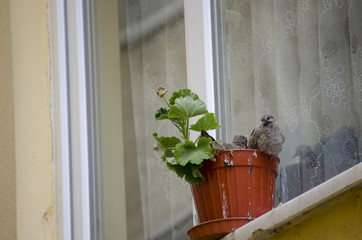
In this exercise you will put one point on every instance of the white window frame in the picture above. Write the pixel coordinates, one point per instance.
(199, 57)
(69, 109)
(70, 125)
(60, 124)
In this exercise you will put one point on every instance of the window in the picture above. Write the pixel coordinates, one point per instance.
(137, 46)
(299, 61)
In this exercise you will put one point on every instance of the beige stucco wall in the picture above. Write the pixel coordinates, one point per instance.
(26, 174)
(7, 141)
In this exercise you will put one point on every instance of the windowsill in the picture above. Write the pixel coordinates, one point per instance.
(296, 209)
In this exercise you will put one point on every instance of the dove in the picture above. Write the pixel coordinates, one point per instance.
(239, 142)
(217, 145)
(267, 138)
(254, 137)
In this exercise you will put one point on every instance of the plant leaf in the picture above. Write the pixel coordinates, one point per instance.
(165, 143)
(196, 176)
(188, 152)
(187, 107)
(196, 173)
(161, 114)
(190, 172)
(182, 93)
(171, 160)
(207, 122)
(169, 156)
(167, 146)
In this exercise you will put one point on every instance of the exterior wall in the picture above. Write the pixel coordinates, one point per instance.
(7, 138)
(26, 174)
(339, 219)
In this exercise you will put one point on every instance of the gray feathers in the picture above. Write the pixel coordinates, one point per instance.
(267, 138)
(254, 137)
(239, 142)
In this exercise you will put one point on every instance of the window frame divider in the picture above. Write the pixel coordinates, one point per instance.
(199, 54)
(69, 119)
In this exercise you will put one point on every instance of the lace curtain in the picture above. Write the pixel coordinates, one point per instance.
(159, 204)
(299, 60)
(302, 62)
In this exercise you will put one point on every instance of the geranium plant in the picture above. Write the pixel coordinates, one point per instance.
(181, 154)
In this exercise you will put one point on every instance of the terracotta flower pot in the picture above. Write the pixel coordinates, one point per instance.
(238, 188)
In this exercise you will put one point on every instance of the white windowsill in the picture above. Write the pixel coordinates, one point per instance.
(277, 219)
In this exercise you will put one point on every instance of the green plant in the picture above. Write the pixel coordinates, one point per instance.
(183, 155)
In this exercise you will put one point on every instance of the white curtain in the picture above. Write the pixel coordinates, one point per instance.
(159, 204)
(302, 62)
(299, 60)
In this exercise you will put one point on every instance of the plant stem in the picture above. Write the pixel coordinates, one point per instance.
(176, 126)
(166, 102)
(183, 130)
(187, 129)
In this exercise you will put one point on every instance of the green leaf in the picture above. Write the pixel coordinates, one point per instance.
(171, 160)
(169, 156)
(188, 152)
(182, 93)
(165, 143)
(187, 107)
(167, 146)
(195, 178)
(207, 122)
(196, 173)
(161, 114)
(190, 172)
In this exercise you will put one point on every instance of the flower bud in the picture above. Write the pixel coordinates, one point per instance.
(161, 91)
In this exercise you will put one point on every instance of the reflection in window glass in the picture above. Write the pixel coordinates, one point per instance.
(151, 44)
(302, 62)
(153, 55)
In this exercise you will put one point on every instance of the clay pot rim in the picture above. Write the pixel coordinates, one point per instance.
(217, 228)
(261, 161)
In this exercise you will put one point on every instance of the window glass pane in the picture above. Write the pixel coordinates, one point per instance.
(149, 51)
(302, 62)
